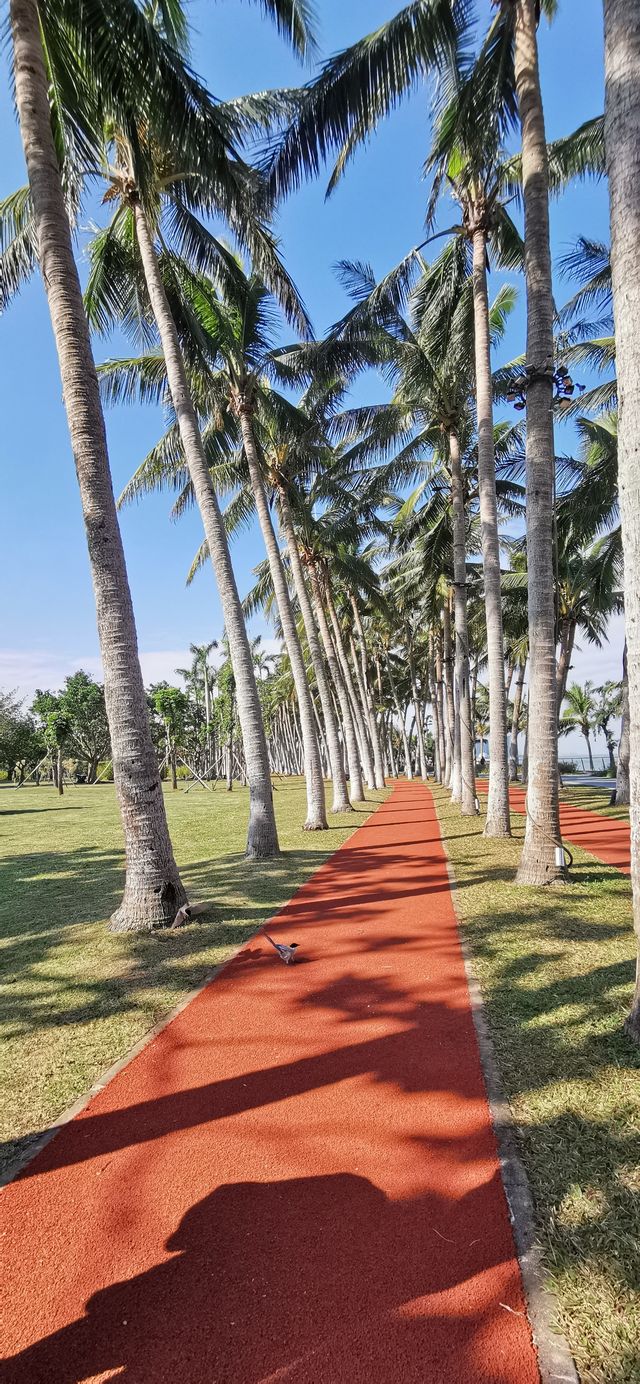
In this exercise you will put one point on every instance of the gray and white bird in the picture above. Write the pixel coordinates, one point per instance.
(287, 953)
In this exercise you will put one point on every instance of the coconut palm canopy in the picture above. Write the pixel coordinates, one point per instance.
(431, 484)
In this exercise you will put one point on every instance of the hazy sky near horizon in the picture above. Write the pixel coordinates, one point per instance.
(48, 622)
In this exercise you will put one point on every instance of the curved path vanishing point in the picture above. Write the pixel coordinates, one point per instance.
(608, 838)
(296, 1182)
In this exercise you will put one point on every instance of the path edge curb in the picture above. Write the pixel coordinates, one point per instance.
(16, 1165)
(40, 1141)
(555, 1361)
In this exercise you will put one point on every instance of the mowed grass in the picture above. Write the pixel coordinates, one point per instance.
(594, 799)
(75, 997)
(556, 969)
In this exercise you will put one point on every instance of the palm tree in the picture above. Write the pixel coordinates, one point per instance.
(580, 714)
(81, 102)
(429, 356)
(608, 706)
(170, 123)
(622, 141)
(538, 863)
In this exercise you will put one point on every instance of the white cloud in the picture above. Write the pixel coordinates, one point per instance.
(24, 671)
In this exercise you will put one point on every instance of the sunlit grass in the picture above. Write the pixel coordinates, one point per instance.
(595, 799)
(74, 997)
(556, 969)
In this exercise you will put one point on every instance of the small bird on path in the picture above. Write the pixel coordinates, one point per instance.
(286, 953)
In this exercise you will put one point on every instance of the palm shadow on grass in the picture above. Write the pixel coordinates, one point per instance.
(556, 969)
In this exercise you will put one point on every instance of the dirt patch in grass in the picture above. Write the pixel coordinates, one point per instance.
(74, 997)
(556, 969)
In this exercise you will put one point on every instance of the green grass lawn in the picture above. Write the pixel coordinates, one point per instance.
(74, 997)
(595, 799)
(556, 969)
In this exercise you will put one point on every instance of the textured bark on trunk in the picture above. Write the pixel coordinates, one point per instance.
(587, 740)
(622, 775)
(378, 761)
(433, 693)
(358, 714)
(567, 637)
(622, 141)
(402, 720)
(262, 839)
(498, 821)
(153, 890)
(340, 794)
(60, 773)
(447, 661)
(440, 700)
(316, 819)
(542, 833)
(356, 791)
(467, 766)
(515, 724)
(422, 755)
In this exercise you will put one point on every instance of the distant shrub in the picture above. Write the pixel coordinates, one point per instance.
(566, 766)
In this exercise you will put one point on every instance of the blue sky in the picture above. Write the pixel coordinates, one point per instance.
(48, 626)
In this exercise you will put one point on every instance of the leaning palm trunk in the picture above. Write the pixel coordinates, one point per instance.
(622, 775)
(622, 142)
(316, 812)
(262, 839)
(538, 864)
(340, 794)
(567, 637)
(449, 702)
(467, 766)
(356, 791)
(515, 724)
(153, 891)
(370, 720)
(358, 716)
(498, 821)
(378, 761)
(402, 719)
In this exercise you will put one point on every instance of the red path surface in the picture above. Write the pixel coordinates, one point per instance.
(296, 1182)
(608, 838)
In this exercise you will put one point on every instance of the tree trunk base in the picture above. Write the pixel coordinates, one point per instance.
(316, 824)
(146, 907)
(338, 807)
(540, 872)
(496, 826)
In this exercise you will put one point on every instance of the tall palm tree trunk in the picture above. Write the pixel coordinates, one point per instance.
(369, 714)
(542, 834)
(463, 682)
(449, 701)
(567, 637)
(356, 791)
(358, 715)
(402, 719)
(498, 821)
(340, 794)
(432, 694)
(262, 838)
(622, 775)
(439, 688)
(316, 812)
(515, 724)
(622, 142)
(376, 744)
(153, 890)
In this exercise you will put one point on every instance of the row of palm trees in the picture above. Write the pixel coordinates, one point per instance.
(356, 566)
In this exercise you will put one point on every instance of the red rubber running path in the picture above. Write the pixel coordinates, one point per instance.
(608, 838)
(296, 1182)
